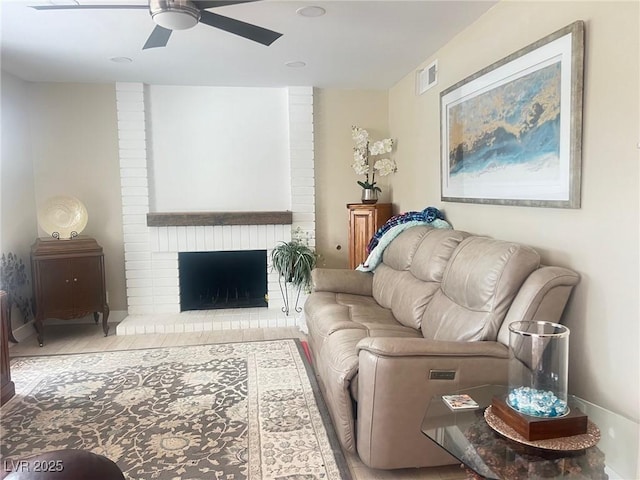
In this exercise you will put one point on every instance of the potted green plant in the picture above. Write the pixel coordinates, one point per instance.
(294, 262)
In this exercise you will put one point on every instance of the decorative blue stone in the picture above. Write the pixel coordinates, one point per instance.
(538, 403)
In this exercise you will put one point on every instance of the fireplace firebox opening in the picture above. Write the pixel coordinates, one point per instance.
(212, 280)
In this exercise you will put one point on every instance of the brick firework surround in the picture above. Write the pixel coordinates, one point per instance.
(151, 253)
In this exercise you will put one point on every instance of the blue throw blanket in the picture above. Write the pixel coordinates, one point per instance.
(394, 227)
(427, 215)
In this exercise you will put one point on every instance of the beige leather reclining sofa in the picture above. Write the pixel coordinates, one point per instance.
(431, 319)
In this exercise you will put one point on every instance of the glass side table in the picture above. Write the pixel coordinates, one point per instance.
(466, 435)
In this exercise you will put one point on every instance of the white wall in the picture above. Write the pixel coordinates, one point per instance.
(18, 225)
(601, 239)
(218, 149)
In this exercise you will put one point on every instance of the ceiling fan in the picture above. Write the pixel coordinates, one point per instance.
(172, 15)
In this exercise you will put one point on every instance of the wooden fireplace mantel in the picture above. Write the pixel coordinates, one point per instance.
(189, 219)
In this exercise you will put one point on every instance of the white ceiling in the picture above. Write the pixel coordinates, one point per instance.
(357, 44)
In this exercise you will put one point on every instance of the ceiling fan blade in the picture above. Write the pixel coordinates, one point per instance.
(158, 38)
(243, 29)
(88, 7)
(202, 4)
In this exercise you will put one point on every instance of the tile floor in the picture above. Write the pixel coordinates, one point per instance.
(60, 339)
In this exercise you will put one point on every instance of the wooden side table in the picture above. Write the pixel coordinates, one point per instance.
(68, 280)
(364, 220)
(7, 387)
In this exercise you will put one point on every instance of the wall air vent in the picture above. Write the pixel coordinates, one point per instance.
(427, 77)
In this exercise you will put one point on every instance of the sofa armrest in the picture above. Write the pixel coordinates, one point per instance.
(339, 280)
(397, 378)
(543, 297)
(399, 347)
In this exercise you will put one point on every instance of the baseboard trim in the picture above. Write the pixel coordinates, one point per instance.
(23, 331)
(26, 330)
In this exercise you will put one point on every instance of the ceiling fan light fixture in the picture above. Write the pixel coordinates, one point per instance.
(174, 14)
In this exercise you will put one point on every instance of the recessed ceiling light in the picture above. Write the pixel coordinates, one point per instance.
(121, 59)
(311, 11)
(296, 64)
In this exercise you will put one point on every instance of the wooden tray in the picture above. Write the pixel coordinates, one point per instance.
(540, 428)
(573, 443)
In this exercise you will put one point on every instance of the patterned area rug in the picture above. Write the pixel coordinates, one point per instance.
(226, 411)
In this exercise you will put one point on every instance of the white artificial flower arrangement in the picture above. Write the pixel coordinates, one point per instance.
(362, 158)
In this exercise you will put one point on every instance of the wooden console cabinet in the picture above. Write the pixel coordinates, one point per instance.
(68, 280)
(7, 388)
(364, 221)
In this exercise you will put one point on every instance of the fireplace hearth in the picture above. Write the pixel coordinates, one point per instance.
(227, 279)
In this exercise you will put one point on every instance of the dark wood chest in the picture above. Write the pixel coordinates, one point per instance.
(68, 280)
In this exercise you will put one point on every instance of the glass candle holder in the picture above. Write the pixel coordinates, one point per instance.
(538, 368)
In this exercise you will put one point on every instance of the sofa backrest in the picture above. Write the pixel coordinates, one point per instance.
(411, 271)
(481, 280)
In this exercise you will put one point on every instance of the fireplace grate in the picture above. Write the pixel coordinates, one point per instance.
(214, 280)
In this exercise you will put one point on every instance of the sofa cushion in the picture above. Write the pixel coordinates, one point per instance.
(413, 267)
(479, 284)
(358, 310)
(409, 296)
(328, 312)
(433, 254)
(399, 254)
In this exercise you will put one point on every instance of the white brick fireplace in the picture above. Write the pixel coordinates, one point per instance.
(151, 253)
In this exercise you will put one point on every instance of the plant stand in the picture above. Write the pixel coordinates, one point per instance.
(285, 296)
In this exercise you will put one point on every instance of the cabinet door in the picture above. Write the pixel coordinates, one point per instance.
(55, 288)
(87, 279)
(362, 228)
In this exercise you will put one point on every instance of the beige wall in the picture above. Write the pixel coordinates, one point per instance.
(335, 111)
(75, 152)
(599, 240)
(18, 214)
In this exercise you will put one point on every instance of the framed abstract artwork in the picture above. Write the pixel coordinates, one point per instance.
(511, 134)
